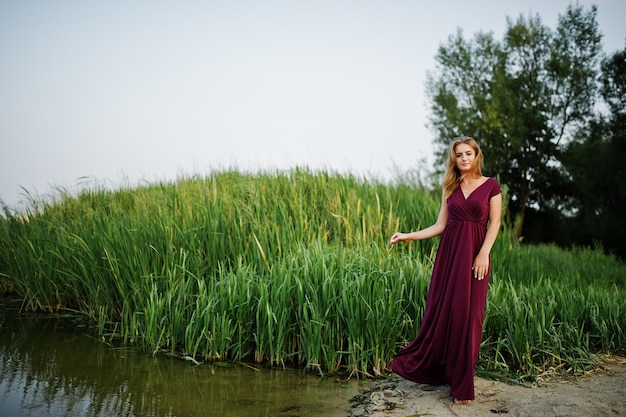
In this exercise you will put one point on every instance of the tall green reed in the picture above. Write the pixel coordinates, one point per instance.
(294, 268)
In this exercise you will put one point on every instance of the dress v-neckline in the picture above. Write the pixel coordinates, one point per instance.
(472, 192)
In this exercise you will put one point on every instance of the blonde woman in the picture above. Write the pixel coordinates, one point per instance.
(448, 342)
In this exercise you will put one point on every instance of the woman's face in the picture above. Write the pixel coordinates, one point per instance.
(465, 155)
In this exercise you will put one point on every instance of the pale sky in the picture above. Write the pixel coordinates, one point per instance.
(121, 92)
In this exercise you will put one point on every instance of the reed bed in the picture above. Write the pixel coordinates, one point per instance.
(294, 269)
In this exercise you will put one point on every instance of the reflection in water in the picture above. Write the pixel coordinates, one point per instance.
(50, 367)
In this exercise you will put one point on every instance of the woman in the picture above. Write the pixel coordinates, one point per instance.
(448, 342)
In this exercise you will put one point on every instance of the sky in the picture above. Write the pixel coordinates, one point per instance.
(120, 93)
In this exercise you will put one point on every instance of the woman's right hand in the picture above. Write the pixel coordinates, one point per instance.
(398, 237)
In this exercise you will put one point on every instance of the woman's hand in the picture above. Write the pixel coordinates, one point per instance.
(399, 237)
(481, 266)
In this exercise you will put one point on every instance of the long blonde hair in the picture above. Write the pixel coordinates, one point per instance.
(453, 177)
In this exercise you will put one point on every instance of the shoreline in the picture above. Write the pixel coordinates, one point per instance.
(601, 392)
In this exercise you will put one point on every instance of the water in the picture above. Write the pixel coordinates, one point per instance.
(52, 367)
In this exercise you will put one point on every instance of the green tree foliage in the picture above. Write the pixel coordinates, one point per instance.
(522, 98)
(597, 168)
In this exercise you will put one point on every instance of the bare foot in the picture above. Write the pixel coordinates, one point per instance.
(462, 402)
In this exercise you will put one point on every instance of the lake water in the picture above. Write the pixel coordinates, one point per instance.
(53, 367)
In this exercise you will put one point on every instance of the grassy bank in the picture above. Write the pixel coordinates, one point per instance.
(294, 268)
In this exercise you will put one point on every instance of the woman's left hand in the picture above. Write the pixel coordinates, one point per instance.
(481, 266)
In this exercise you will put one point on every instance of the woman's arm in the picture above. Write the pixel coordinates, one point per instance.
(481, 263)
(431, 231)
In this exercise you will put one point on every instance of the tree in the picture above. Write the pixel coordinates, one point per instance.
(522, 98)
(596, 163)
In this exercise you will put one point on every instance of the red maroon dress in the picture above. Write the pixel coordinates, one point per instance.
(448, 342)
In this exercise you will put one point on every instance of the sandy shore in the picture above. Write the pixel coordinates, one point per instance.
(598, 393)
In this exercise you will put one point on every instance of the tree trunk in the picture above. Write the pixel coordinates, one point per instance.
(524, 196)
